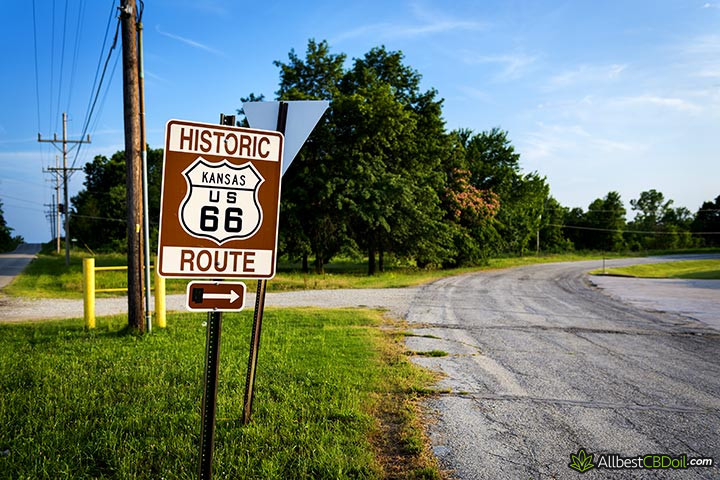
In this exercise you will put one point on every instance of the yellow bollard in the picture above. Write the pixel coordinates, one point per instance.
(160, 301)
(89, 292)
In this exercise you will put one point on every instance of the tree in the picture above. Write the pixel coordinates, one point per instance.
(607, 216)
(651, 207)
(552, 234)
(311, 214)
(495, 166)
(707, 222)
(390, 136)
(99, 210)
(575, 228)
(666, 228)
(8, 242)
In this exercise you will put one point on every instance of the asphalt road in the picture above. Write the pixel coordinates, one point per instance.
(541, 364)
(13, 263)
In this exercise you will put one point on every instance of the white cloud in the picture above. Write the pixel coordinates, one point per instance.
(390, 30)
(475, 93)
(586, 74)
(654, 100)
(512, 65)
(188, 41)
(427, 22)
(563, 142)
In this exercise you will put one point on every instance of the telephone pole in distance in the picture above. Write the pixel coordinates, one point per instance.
(64, 141)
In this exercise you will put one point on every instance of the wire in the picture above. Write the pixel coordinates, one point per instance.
(52, 65)
(105, 95)
(62, 59)
(22, 181)
(73, 69)
(97, 218)
(20, 199)
(101, 106)
(23, 206)
(37, 84)
(97, 93)
(575, 227)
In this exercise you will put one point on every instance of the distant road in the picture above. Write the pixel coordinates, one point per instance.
(11, 264)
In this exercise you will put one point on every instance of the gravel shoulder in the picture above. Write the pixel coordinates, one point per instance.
(395, 300)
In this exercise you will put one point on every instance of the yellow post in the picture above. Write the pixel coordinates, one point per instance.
(89, 292)
(160, 300)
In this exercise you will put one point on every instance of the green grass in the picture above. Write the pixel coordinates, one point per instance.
(690, 269)
(431, 353)
(83, 404)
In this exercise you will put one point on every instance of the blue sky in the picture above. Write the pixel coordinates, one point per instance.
(596, 96)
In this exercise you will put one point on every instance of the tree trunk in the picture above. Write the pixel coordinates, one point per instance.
(319, 264)
(371, 261)
(381, 260)
(305, 267)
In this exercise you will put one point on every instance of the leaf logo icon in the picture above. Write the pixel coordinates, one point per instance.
(582, 462)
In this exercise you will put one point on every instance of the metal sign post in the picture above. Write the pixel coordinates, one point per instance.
(259, 308)
(212, 365)
(209, 401)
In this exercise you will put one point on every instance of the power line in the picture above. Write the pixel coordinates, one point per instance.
(102, 104)
(576, 227)
(92, 217)
(37, 84)
(34, 202)
(22, 206)
(97, 93)
(105, 95)
(52, 65)
(73, 69)
(62, 57)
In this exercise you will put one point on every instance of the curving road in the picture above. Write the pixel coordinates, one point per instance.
(542, 364)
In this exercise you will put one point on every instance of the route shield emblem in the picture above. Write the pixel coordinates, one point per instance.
(222, 200)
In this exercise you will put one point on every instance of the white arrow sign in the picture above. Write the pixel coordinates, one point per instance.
(232, 296)
(302, 116)
(215, 296)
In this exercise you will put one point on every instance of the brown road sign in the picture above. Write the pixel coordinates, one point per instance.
(220, 201)
(215, 296)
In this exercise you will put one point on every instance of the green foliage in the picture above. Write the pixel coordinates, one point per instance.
(8, 242)
(311, 213)
(707, 222)
(552, 234)
(99, 216)
(663, 227)
(601, 227)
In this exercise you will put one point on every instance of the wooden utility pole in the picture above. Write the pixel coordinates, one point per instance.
(65, 169)
(133, 162)
(56, 203)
